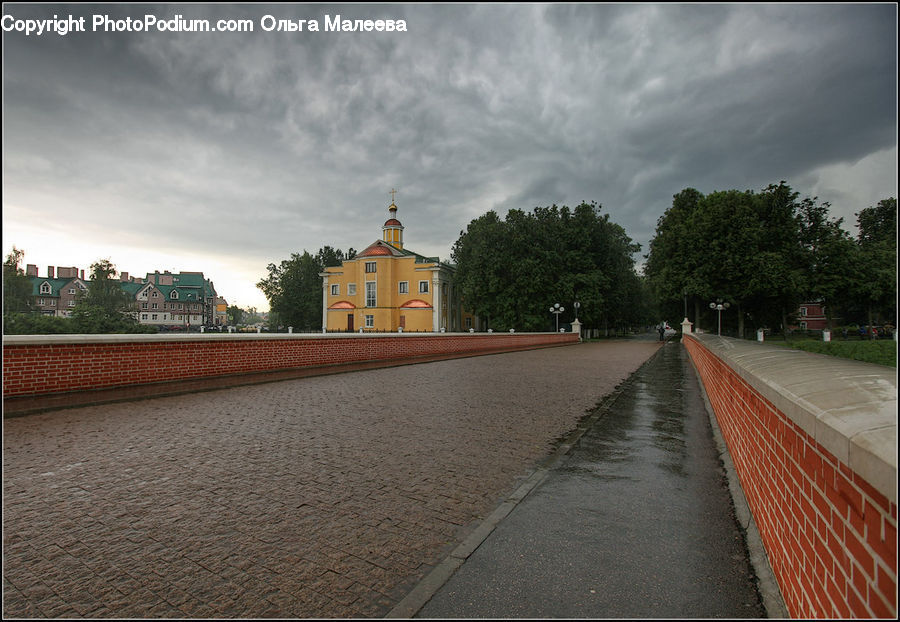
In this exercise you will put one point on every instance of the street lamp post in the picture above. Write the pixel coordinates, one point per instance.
(719, 306)
(556, 309)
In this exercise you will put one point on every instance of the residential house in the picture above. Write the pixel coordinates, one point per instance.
(56, 293)
(182, 301)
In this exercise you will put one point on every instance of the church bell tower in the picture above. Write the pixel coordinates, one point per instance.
(392, 230)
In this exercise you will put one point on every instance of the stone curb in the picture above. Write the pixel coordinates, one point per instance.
(413, 602)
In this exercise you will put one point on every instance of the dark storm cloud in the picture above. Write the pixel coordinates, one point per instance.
(256, 145)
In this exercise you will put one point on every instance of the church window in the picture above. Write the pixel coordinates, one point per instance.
(423, 287)
(335, 290)
(351, 289)
(370, 266)
(370, 321)
(370, 294)
(404, 287)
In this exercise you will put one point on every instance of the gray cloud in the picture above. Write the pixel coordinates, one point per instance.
(245, 147)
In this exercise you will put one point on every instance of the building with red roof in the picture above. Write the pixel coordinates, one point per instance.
(389, 288)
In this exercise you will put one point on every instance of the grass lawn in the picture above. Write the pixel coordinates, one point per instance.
(880, 352)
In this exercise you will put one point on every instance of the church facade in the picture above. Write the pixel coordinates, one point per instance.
(387, 288)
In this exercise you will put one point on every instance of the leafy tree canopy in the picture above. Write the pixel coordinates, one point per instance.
(510, 272)
(765, 252)
(877, 264)
(16, 286)
(294, 287)
(104, 307)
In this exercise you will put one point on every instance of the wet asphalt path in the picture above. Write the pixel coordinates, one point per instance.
(636, 522)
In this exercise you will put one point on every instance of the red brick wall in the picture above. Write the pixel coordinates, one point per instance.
(36, 368)
(831, 538)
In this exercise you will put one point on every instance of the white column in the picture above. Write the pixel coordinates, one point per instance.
(325, 303)
(436, 300)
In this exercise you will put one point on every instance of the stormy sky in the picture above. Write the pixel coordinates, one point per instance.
(222, 152)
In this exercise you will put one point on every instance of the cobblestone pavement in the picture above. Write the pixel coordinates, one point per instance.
(326, 497)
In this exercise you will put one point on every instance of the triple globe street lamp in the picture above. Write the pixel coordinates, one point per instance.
(556, 309)
(719, 306)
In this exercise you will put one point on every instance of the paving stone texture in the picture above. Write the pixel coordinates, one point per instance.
(329, 496)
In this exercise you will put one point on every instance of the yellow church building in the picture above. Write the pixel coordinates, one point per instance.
(387, 288)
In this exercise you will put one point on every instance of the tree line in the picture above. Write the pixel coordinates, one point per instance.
(766, 252)
(763, 252)
(510, 272)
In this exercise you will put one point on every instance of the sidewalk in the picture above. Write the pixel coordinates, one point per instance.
(635, 521)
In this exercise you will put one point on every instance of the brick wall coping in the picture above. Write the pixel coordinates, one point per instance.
(849, 407)
(30, 340)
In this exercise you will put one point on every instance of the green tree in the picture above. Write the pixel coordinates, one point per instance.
(252, 316)
(675, 255)
(509, 272)
(741, 247)
(829, 258)
(104, 307)
(877, 267)
(294, 288)
(37, 324)
(17, 289)
(479, 275)
(775, 268)
(234, 314)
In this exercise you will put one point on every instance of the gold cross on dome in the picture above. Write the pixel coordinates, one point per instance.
(393, 192)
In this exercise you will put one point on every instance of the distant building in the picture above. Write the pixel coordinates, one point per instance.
(811, 316)
(180, 301)
(55, 293)
(176, 301)
(221, 312)
(387, 288)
